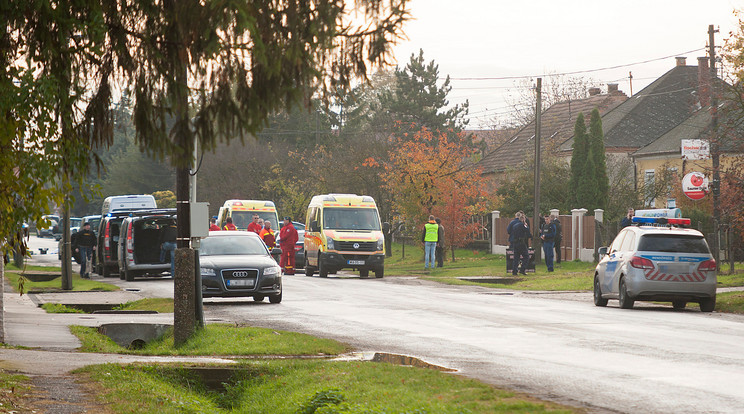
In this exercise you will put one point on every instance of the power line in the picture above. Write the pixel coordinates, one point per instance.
(580, 71)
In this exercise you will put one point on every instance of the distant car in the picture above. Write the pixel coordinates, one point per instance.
(75, 223)
(43, 230)
(664, 264)
(238, 263)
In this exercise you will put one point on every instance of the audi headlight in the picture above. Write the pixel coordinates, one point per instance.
(272, 271)
(329, 243)
(380, 243)
(207, 271)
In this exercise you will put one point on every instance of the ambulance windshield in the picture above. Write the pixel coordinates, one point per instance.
(351, 219)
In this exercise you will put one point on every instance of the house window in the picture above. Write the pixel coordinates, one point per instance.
(649, 185)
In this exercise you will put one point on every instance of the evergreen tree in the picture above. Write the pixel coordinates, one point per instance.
(416, 101)
(579, 155)
(586, 190)
(596, 142)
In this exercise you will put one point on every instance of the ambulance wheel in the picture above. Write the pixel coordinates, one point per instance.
(625, 301)
(309, 270)
(598, 300)
(322, 269)
(364, 273)
(379, 273)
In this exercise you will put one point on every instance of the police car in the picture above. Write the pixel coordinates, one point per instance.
(655, 260)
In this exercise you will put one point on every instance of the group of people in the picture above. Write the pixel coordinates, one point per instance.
(433, 239)
(288, 237)
(519, 232)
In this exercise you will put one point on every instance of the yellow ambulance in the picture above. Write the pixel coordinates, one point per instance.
(242, 212)
(343, 231)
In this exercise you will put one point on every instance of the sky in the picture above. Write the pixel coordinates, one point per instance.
(535, 38)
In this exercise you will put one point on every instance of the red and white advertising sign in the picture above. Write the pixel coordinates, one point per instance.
(695, 149)
(695, 185)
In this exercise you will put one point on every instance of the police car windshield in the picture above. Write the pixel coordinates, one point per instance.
(351, 219)
(673, 243)
(232, 245)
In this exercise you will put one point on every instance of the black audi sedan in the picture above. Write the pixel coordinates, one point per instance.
(238, 263)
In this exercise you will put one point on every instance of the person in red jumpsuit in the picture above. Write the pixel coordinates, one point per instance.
(287, 240)
(254, 226)
(267, 235)
(229, 224)
(213, 224)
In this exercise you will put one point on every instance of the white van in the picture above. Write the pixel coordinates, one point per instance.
(114, 204)
(343, 232)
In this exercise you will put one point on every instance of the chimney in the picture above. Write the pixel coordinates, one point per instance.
(681, 61)
(594, 91)
(612, 88)
(703, 81)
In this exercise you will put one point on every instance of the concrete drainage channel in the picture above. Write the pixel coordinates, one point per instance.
(133, 335)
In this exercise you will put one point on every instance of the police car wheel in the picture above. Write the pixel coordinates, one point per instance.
(625, 301)
(322, 269)
(598, 299)
(679, 304)
(708, 305)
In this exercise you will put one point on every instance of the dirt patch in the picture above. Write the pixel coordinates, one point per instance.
(64, 394)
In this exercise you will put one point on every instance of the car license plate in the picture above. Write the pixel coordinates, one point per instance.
(240, 282)
(356, 262)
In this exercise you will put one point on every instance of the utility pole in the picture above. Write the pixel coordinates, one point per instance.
(536, 211)
(715, 146)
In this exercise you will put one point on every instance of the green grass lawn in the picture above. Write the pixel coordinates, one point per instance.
(14, 276)
(218, 339)
(305, 386)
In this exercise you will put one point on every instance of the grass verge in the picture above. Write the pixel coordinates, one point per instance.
(218, 339)
(305, 386)
(14, 390)
(730, 302)
(160, 305)
(78, 283)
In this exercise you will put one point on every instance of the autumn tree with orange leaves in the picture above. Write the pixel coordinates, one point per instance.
(428, 173)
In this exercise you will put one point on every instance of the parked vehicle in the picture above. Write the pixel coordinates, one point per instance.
(242, 212)
(114, 204)
(139, 250)
(665, 264)
(343, 231)
(45, 226)
(107, 250)
(75, 223)
(238, 263)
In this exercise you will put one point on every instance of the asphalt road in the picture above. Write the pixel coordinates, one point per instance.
(560, 347)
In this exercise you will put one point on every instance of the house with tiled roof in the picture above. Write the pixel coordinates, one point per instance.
(649, 127)
(557, 126)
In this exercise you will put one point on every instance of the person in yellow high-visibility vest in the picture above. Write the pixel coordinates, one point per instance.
(430, 237)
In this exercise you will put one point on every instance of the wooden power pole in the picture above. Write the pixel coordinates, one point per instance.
(536, 211)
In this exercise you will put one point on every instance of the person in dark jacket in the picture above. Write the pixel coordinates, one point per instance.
(168, 236)
(86, 242)
(520, 233)
(628, 219)
(558, 239)
(439, 251)
(510, 227)
(547, 235)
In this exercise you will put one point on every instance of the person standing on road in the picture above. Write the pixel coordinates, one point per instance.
(254, 226)
(86, 243)
(229, 224)
(168, 236)
(558, 239)
(267, 235)
(287, 239)
(547, 235)
(213, 224)
(521, 234)
(439, 251)
(430, 237)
